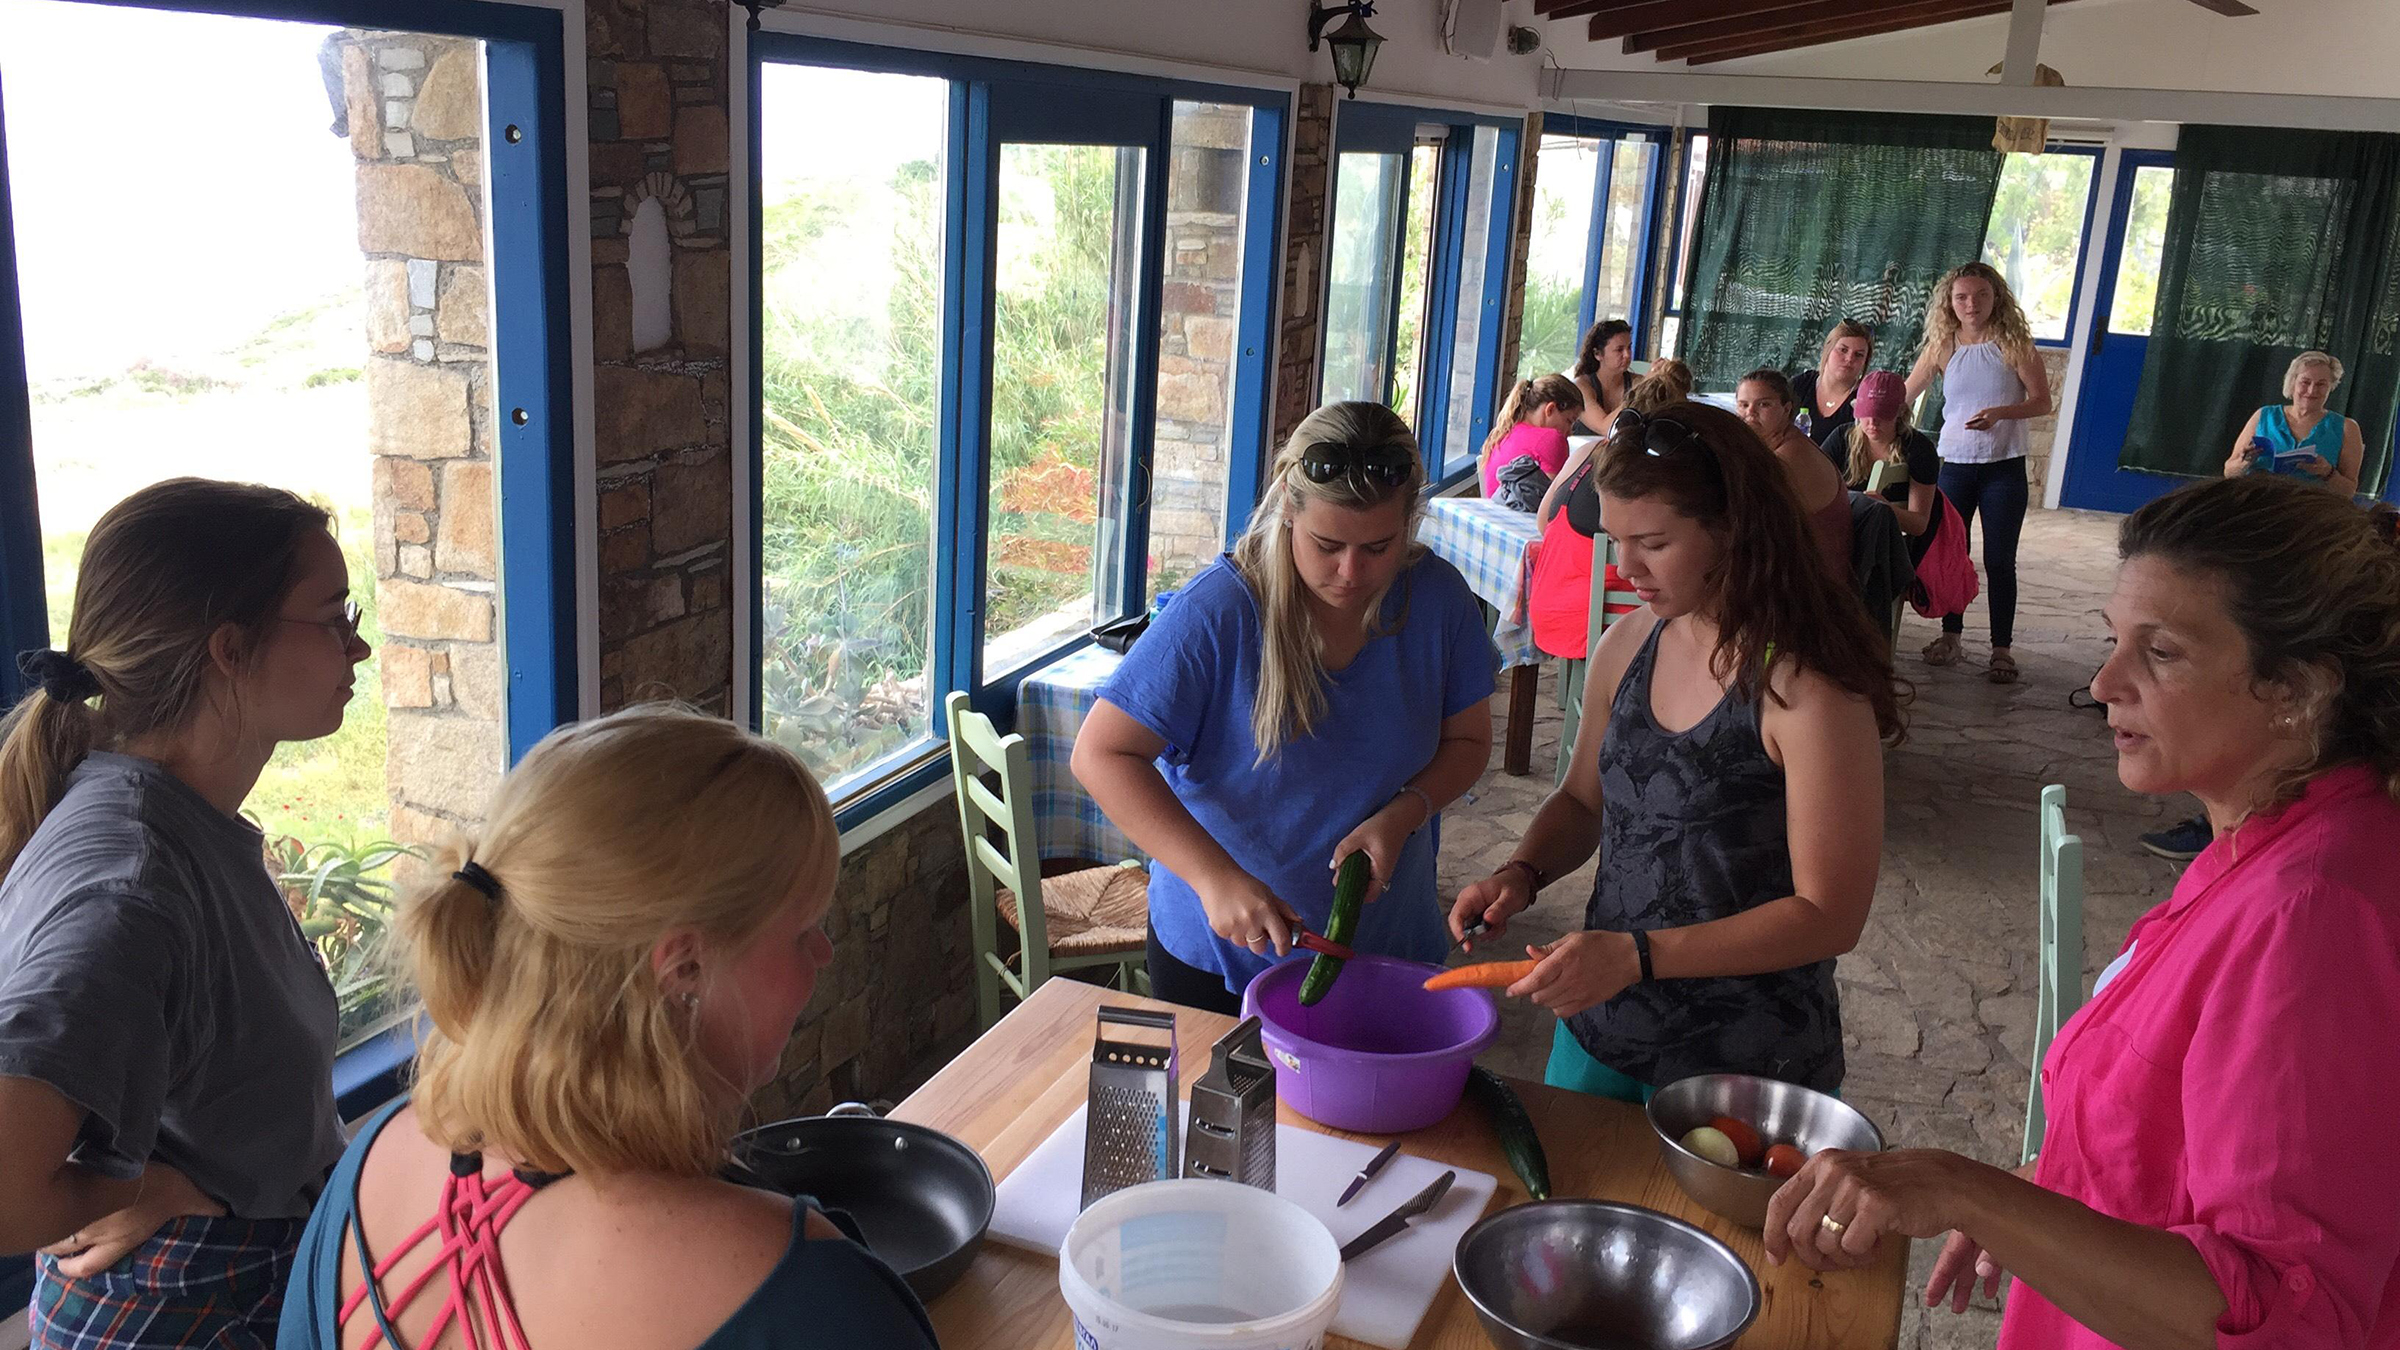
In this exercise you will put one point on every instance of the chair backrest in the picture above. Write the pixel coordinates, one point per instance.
(1604, 552)
(2058, 959)
(978, 751)
(1638, 368)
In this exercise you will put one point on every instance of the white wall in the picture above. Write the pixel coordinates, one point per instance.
(2332, 47)
(1259, 38)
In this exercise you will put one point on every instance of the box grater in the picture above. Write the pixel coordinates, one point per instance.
(1129, 1125)
(1232, 1132)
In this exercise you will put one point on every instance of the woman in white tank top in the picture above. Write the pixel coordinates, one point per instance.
(1977, 341)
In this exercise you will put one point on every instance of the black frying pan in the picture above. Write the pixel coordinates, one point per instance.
(922, 1198)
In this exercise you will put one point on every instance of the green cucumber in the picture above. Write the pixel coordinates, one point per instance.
(1349, 892)
(1518, 1140)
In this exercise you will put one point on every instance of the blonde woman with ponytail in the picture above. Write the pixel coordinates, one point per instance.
(1321, 691)
(1528, 444)
(166, 1037)
(612, 966)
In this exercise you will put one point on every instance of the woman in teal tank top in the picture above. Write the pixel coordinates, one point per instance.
(612, 965)
(2303, 438)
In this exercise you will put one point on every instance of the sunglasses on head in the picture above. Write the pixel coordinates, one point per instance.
(1659, 437)
(1389, 465)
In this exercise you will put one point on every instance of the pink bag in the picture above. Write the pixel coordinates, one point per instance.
(1946, 578)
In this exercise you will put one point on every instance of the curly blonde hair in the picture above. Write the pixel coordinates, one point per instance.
(2313, 583)
(552, 1039)
(2007, 326)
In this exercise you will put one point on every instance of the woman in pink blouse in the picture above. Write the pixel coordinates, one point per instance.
(2221, 1166)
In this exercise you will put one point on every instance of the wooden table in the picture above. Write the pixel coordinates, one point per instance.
(1028, 1074)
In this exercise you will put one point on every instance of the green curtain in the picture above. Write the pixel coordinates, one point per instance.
(2278, 241)
(1813, 217)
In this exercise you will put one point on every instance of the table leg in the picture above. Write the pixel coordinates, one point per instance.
(1523, 682)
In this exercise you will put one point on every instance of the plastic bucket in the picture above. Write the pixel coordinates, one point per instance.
(1379, 1054)
(1199, 1265)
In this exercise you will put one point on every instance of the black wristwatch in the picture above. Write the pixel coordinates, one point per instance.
(1641, 950)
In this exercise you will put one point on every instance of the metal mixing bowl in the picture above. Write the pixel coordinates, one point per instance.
(1595, 1275)
(1783, 1113)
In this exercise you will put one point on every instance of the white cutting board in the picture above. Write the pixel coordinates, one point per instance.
(1385, 1292)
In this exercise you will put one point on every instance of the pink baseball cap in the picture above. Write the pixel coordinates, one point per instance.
(1881, 394)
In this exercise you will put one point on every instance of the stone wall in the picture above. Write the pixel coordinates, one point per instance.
(1199, 324)
(414, 106)
(656, 78)
(1520, 243)
(2042, 436)
(900, 994)
(1298, 321)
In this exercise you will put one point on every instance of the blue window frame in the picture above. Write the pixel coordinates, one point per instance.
(1465, 283)
(525, 110)
(1652, 195)
(993, 105)
(2081, 241)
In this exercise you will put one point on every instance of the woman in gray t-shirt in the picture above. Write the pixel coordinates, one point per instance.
(166, 1034)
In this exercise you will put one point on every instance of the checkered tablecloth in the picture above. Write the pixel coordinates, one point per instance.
(1491, 544)
(1051, 704)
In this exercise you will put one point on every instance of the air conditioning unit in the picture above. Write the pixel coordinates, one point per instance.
(1470, 28)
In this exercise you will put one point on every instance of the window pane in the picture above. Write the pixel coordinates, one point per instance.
(2036, 233)
(1565, 175)
(1416, 255)
(1062, 396)
(1199, 331)
(851, 234)
(1695, 182)
(1358, 295)
(2145, 230)
(1473, 252)
(350, 365)
(1621, 247)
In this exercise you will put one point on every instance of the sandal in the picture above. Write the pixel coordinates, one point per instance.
(1942, 651)
(2003, 669)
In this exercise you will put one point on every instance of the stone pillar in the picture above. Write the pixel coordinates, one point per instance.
(1301, 326)
(1520, 242)
(1199, 324)
(2042, 434)
(415, 113)
(657, 86)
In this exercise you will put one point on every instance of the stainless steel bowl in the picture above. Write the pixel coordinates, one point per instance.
(1595, 1275)
(1784, 1113)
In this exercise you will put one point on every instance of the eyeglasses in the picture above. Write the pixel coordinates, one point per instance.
(1659, 436)
(1389, 465)
(345, 627)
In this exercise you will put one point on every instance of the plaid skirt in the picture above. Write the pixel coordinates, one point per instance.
(198, 1282)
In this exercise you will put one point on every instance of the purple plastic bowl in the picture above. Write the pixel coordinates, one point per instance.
(1379, 1054)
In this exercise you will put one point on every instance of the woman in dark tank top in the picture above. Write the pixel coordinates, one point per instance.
(1734, 791)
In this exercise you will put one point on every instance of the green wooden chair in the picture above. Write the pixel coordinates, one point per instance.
(1570, 675)
(1092, 916)
(2058, 959)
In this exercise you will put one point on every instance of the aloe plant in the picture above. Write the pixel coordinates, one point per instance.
(342, 895)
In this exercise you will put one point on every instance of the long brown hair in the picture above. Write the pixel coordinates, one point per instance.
(1587, 356)
(1773, 599)
(2313, 583)
(1291, 669)
(162, 572)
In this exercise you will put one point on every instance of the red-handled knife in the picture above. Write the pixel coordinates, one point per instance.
(1301, 937)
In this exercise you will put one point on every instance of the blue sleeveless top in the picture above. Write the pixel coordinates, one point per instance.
(2325, 438)
(827, 1292)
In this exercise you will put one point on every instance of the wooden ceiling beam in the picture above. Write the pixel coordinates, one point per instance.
(1685, 32)
(1789, 37)
(1627, 20)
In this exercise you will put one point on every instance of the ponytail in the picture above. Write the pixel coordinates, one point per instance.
(1523, 401)
(41, 741)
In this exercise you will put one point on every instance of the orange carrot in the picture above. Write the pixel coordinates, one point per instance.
(1483, 975)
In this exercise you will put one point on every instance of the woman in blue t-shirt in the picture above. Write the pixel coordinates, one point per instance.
(2304, 439)
(1321, 690)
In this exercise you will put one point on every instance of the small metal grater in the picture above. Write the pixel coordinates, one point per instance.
(1129, 1126)
(1232, 1133)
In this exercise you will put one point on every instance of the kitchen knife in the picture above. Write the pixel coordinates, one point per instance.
(1367, 1173)
(1392, 1223)
(1301, 937)
(1470, 933)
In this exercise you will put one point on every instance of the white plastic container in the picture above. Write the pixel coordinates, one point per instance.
(1199, 1265)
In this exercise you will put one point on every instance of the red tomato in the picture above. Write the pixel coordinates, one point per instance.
(1783, 1160)
(1744, 1136)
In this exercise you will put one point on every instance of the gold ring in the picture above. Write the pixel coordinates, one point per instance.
(1831, 1225)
